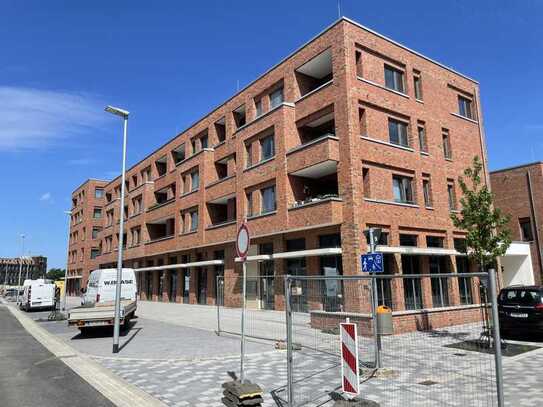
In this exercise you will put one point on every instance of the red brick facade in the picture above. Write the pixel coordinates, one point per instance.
(332, 165)
(519, 192)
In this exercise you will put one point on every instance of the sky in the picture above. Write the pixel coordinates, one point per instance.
(171, 62)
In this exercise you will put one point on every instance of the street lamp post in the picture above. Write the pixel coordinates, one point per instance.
(69, 213)
(116, 327)
(20, 265)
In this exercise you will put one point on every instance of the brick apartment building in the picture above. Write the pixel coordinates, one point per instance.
(352, 130)
(33, 267)
(519, 193)
(86, 221)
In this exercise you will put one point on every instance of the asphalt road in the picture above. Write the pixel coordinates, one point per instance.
(31, 376)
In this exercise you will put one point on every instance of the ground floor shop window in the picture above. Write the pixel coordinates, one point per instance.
(186, 286)
(202, 286)
(464, 283)
(411, 285)
(440, 288)
(149, 284)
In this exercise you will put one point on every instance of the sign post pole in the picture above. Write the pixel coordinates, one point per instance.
(373, 263)
(242, 248)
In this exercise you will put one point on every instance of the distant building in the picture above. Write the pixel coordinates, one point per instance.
(32, 268)
(519, 193)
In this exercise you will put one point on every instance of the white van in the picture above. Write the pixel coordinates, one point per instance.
(38, 293)
(102, 285)
(98, 307)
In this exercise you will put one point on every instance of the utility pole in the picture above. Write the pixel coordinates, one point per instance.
(20, 265)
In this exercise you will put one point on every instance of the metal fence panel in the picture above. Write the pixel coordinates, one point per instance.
(441, 352)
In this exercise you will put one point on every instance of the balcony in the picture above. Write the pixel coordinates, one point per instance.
(316, 196)
(314, 157)
(222, 211)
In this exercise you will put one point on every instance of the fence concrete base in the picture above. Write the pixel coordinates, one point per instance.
(403, 321)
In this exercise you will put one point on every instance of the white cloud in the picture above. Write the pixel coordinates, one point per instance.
(46, 197)
(32, 119)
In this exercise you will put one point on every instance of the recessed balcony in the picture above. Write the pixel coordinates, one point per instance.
(316, 157)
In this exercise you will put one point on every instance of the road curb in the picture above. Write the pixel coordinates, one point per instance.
(111, 386)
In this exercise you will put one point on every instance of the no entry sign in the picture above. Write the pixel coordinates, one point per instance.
(350, 376)
(242, 241)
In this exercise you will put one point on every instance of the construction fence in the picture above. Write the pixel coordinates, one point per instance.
(437, 346)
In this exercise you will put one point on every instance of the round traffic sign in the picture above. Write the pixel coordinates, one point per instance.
(242, 241)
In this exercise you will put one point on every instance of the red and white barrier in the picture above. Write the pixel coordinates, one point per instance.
(350, 375)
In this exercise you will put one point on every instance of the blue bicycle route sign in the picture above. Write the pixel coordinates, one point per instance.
(372, 262)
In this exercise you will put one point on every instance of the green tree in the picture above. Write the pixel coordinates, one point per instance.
(487, 234)
(55, 274)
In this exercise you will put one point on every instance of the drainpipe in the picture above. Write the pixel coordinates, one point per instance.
(536, 222)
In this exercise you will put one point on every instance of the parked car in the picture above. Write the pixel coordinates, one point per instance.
(520, 310)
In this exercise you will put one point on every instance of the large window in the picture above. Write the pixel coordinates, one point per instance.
(267, 147)
(417, 84)
(193, 221)
(403, 190)
(394, 79)
(440, 289)
(98, 193)
(464, 283)
(268, 199)
(427, 193)
(276, 98)
(452, 197)
(194, 180)
(397, 132)
(258, 107)
(97, 214)
(465, 107)
(447, 152)
(421, 131)
(411, 285)
(526, 229)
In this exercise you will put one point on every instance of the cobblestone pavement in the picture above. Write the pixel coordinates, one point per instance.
(184, 366)
(453, 377)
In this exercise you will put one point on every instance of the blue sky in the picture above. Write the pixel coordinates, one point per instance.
(170, 63)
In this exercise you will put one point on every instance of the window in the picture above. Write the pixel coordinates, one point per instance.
(220, 129)
(239, 116)
(276, 98)
(447, 153)
(268, 199)
(249, 154)
(408, 240)
(94, 253)
(161, 166)
(366, 182)
(98, 193)
(417, 85)
(452, 197)
(411, 285)
(136, 236)
(526, 233)
(97, 214)
(267, 147)
(194, 144)
(193, 221)
(204, 141)
(258, 107)
(358, 62)
(249, 196)
(394, 79)
(427, 193)
(178, 154)
(194, 180)
(440, 288)
(465, 107)
(421, 131)
(95, 231)
(403, 191)
(464, 283)
(137, 205)
(397, 132)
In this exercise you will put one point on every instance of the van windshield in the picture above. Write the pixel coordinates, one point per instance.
(520, 297)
